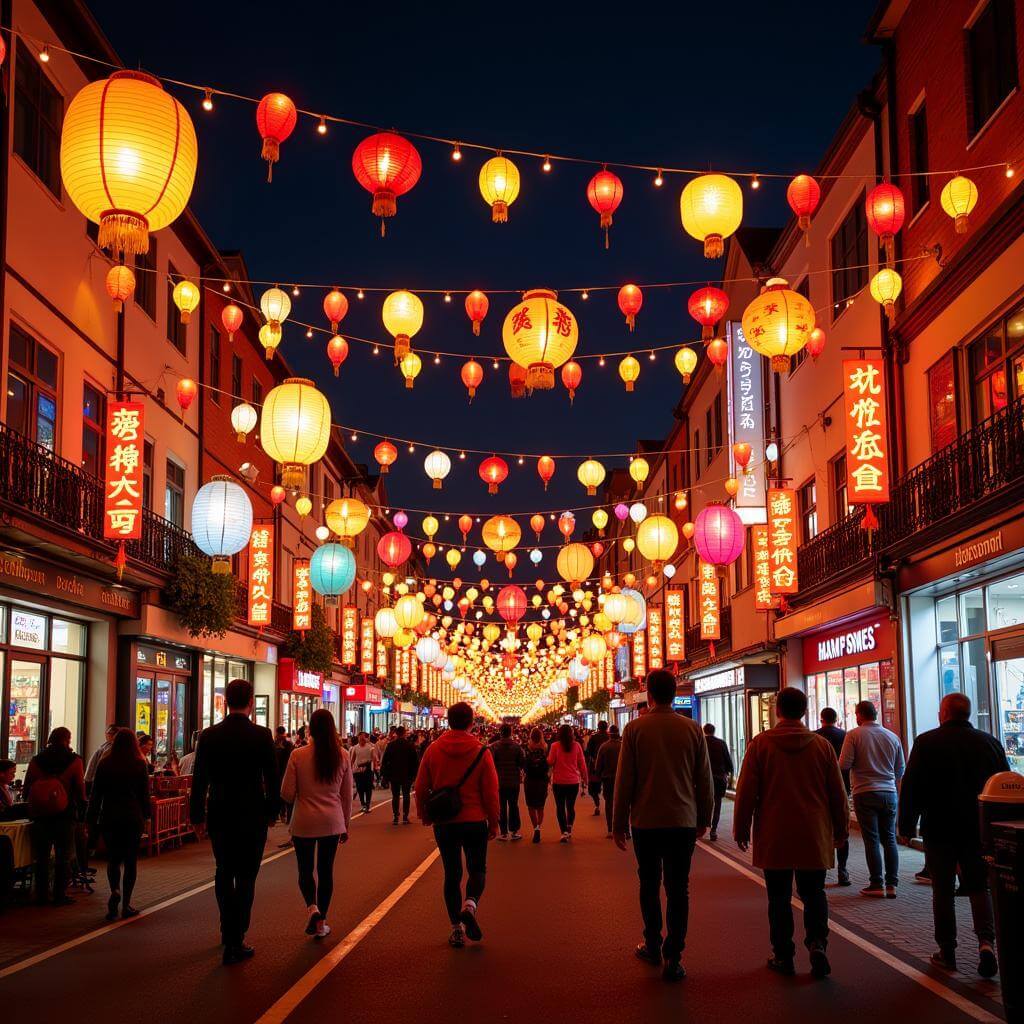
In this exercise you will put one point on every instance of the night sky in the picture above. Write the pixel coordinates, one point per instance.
(744, 86)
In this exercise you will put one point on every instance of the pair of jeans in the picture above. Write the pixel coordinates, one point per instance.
(565, 804)
(664, 854)
(876, 815)
(56, 834)
(721, 783)
(400, 789)
(810, 887)
(122, 860)
(509, 819)
(364, 787)
(453, 840)
(237, 852)
(319, 888)
(942, 858)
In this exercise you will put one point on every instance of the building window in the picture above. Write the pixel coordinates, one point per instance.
(849, 251)
(215, 365)
(717, 424)
(32, 389)
(174, 493)
(996, 361)
(804, 289)
(93, 429)
(145, 280)
(991, 61)
(236, 377)
(709, 454)
(743, 567)
(808, 497)
(147, 474)
(942, 402)
(38, 113)
(177, 331)
(257, 393)
(696, 453)
(840, 504)
(920, 182)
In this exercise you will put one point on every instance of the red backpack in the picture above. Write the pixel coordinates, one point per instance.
(48, 797)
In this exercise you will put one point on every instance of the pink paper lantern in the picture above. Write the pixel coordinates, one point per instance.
(718, 535)
(401, 520)
(621, 512)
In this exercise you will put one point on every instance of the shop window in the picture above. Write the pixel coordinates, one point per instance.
(38, 113)
(972, 612)
(147, 474)
(945, 619)
(920, 182)
(215, 365)
(65, 699)
(177, 330)
(837, 474)
(808, 498)
(32, 388)
(849, 254)
(236, 377)
(174, 493)
(942, 402)
(1005, 601)
(991, 44)
(93, 429)
(145, 280)
(68, 637)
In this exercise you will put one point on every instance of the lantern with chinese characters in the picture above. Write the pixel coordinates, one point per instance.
(394, 548)
(630, 301)
(657, 539)
(886, 211)
(816, 343)
(501, 534)
(231, 317)
(275, 119)
(472, 374)
(959, 197)
(275, 305)
(591, 474)
(540, 334)
(686, 363)
(295, 428)
(186, 391)
(221, 521)
(546, 469)
(332, 570)
(499, 185)
(402, 314)
(387, 166)
(778, 323)
(575, 563)
(629, 370)
(186, 298)
(493, 472)
(707, 306)
(711, 208)
(604, 193)
(477, 305)
(572, 374)
(337, 352)
(516, 380)
(718, 535)
(803, 195)
(127, 158)
(270, 337)
(639, 470)
(437, 466)
(885, 288)
(335, 308)
(243, 420)
(120, 285)
(410, 365)
(385, 453)
(347, 517)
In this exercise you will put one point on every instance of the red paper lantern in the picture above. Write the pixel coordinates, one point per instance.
(510, 562)
(707, 306)
(275, 118)
(717, 350)
(231, 317)
(337, 352)
(477, 305)
(741, 452)
(572, 374)
(803, 196)
(394, 548)
(517, 380)
(277, 494)
(465, 525)
(718, 535)
(511, 603)
(493, 472)
(546, 469)
(472, 375)
(186, 390)
(815, 343)
(335, 308)
(385, 453)
(886, 211)
(387, 166)
(566, 524)
(630, 301)
(604, 194)
(597, 549)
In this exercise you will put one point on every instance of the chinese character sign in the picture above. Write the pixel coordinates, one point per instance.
(639, 654)
(782, 540)
(867, 445)
(302, 595)
(122, 494)
(382, 661)
(261, 574)
(710, 607)
(746, 422)
(366, 644)
(675, 639)
(763, 597)
(349, 634)
(655, 648)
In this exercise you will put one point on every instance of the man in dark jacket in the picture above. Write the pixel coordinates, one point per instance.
(283, 748)
(594, 744)
(605, 766)
(721, 769)
(236, 792)
(398, 766)
(835, 736)
(948, 768)
(509, 760)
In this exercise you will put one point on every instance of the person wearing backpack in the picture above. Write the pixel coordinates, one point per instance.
(54, 790)
(457, 793)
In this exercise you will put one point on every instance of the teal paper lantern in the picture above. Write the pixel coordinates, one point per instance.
(332, 570)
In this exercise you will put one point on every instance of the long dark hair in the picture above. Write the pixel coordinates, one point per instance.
(124, 753)
(326, 747)
(566, 737)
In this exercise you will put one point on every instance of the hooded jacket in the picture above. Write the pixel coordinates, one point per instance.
(444, 763)
(791, 791)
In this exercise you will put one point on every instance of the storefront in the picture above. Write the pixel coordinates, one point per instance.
(218, 671)
(161, 696)
(739, 702)
(300, 693)
(381, 717)
(361, 699)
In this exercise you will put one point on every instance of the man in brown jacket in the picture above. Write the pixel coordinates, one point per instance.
(791, 788)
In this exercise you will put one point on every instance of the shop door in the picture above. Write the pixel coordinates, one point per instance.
(26, 727)
(1007, 655)
(170, 718)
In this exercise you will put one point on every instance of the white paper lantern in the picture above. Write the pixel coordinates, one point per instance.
(221, 520)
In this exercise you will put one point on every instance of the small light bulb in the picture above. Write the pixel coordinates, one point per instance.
(600, 361)
(295, 290)
(44, 55)
(462, 455)
(456, 153)
(321, 127)
(546, 166)
(376, 350)
(495, 364)
(447, 296)
(520, 460)
(226, 286)
(360, 294)
(437, 360)
(207, 99)
(755, 182)
(355, 437)
(585, 296)
(309, 333)
(1009, 171)
(651, 356)
(658, 179)
(412, 448)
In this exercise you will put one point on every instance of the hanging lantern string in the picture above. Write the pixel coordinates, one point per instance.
(319, 117)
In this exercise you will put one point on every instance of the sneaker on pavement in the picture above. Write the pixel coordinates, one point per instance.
(945, 959)
(516, 836)
(314, 920)
(536, 835)
(873, 890)
(673, 971)
(713, 835)
(648, 955)
(890, 892)
(781, 965)
(844, 877)
(323, 929)
(820, 967)
(470, 923)
(565, 837)
(503, 838)
(988, 966)
(923, 877)
(457, 940)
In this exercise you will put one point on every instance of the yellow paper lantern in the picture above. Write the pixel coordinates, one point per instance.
(453, 557)
(657, 538)
(591, 474)
(295, 428)
(403, 317)
(430, 527)
(385, 623)
(275, 306)
(600, 519)
(778, 323)
(711, 207)
(886, 287)
(959, 197)
(616, 608)
(594, 648)
(347, 517)
(409, 613)
(535, 631)
(540, 334)
(491, 632)
(686, 363)
(128, 158)
(186, 298)
(270, 338)
(403, 639)
(629, 545)
(499, 185)
(629, 370)
(501, 533)
(602, 622)
(639, 470)
(410, 366)
(303, 506)
(575, 563)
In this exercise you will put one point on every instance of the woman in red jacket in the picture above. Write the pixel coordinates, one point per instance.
(568, 778)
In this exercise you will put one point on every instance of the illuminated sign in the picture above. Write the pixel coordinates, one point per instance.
(382, 661)
(122, 493)
(675, 629)
(763, 597)
(655, 644)
(782, 540)
(867, 445)
(639, 654)
(302, 595)
(349, 634)
(746, 423)
(366, 647)
(261, 574)
(710, 609)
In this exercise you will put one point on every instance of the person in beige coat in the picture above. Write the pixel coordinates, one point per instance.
(791, 790)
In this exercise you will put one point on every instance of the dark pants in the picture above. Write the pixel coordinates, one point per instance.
(664, 855)
(608, 789)
(122, 860)
(454, 839)
(238, 852)
(843, 855)
(508, 804)
(565, 804)
(400, 789)
(810, 887)
(721, 782)
(319, 889)
(364, 787)
(594, 789)
(56, 834)
(942, 858)
(876, 815)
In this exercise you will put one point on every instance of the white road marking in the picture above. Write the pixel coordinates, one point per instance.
(933, 985)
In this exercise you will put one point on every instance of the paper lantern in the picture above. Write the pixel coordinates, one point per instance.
(384, 623)
(546, 469)
(711, 208)
(477, 305)
(816, 343)
(639, 470)
(511, 603)
(127, 158)
(437, 466)
(231, 317)
(741, 452)
(630, 301)
(452, 557)
(540, 334)
(120, 285)
(493, 472)
(566, 524)
(718, 535)
(394, 548)
(638, 512)
(600, 519)
(465, 525)
(686, 363)
(778, 322)
(403, 639)
(499, 185)
(335, 308)
(337, 352)
(270, 337)
(275, 305)
(959, 197)
(243, 420)
(886, 211)
(472, 374)
(516, 380)
(410, 365)
(402, 314)
(732, 486)
(186, 391)
(186, 297)
(636, 612)
(629, 370)
(537, 522)
(575, 563)
(409, 613)
(708, 306)
(572, 374)
(304, 506)
(295, 428)
(604, 193)
(717, 351)
(594, 648)
(347, 517)
(803, 195)
(332, 570)
(387, 166)
(657, 539)
(430, 526)
(385, 453)
(621, 512)
(277, 495)
(275, 119)
(591, 474)
(221, 520)
(616, 607)
(501, 533)
(427, 650)
(885, 288)
(401, 520)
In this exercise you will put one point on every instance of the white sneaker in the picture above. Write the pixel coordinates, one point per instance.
(565, 837)
(323, 929)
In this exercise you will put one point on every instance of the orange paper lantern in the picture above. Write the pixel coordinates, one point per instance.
(231, 317)
(337, 352)
(472, 374)
(546, 469)
(387, 166)
(493, 472)
(630, 301)
(335, 308)
(477, 305)
(604, 193)
(572, 374)
(120, 285)
(385, 453)
(275, 118)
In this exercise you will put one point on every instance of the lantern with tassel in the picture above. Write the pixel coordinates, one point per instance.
(711, 208)
(120, 285)
(516, 380)
(629, 370)
(540, 334)
(499, 185)
(472, 374)
(231, 317)
(410, 366)
(385, 453)
(402, 314)
(686, 363)
(437, 466)
(275, 118)
(803, 195)
(708, 306)
(477, 305)
(186, 391)
(221, 520)
(778, 322)
(816, 343)
(546, 469)
(959, 197)
(886, 211)
(885, 288)
(572, 375)
(604, 193)
(186, 298)
(630, 301)
(337, 352)
(591, 474)
(493, 472)
(387, 166)
(243, 421)
(335, 308)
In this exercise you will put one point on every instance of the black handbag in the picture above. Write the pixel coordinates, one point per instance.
(444, 803)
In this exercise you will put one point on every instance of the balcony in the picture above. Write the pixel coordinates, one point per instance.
(700, 650)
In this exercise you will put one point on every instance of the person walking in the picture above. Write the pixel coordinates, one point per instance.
(947, 769)
(664, 796)
(235, 792)
(536, 773)
(874, 757)
(318, 784)
(594, 745)
(790, 797)
(835, 737)
(568, 778)
(365, 763)
(457, 793)
(119, 806)
(509, 761)
(605, 766)
(98, 753)
(721, 768)
(398, 766)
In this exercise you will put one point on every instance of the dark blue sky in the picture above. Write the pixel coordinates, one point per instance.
(740, 85)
